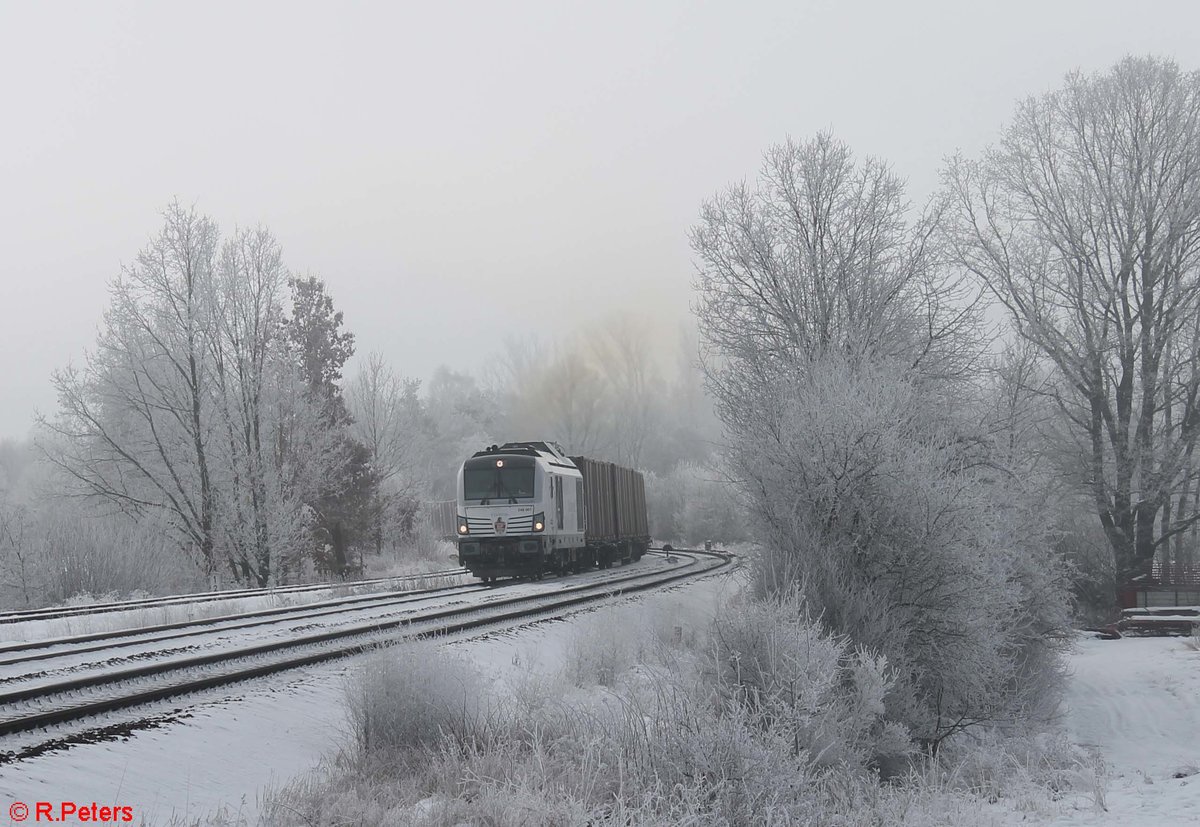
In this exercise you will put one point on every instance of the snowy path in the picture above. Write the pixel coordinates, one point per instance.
(1137, 700)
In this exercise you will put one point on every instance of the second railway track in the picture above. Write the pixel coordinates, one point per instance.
(49, 648)
(60, 612)
(100, 691)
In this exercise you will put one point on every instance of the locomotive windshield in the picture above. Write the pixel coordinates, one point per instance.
(492, 483)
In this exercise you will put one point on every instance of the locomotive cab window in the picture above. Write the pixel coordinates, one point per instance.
(486, 481)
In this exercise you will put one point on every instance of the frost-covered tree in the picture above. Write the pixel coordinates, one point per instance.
(340, 499)
(246, 296)
(843, 360)
(625, 362)
(201, 412)
(598, 393)
(17, 563)
(263, 406)
(388, 420)
(899, 537)
(819, 257)
(319, 345)
(1084, 223)
(135, 426)
(461, 418)
(694, 504)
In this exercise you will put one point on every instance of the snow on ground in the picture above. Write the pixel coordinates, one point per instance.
(235, 633)
(1135, 701)
(229, 744)
(218, 753)
(545, 647)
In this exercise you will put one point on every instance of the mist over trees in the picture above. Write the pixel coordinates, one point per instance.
(220, 432)
(222, 402)
(605, 390)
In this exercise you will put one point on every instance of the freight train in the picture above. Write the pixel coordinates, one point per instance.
(526, 510)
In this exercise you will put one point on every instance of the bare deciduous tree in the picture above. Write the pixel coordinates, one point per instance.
(244, 352)
(820, 258)
(574, 410)
(833, 339)
(134, 427)
(15, 564)
(388, 422)
(1084, 222)
(201, 405)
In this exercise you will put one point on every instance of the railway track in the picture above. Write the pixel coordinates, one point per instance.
(15, 654)
(25, 615)
(97, 691)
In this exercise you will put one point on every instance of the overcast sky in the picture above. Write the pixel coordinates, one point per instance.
(453, 170)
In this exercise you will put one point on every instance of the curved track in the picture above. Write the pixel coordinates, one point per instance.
(106, 689)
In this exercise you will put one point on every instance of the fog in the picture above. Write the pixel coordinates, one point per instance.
(457, 173)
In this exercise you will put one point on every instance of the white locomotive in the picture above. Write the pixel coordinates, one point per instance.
(525, 509)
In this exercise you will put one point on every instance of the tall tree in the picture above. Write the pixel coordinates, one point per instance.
(460, 419)
(320, 350)
(1084, 222)
(388, 423)
(574, 402)
(244, 355)
(820, 258)
(200, 406)
(320, 345)
(135, 424)
(834, 340)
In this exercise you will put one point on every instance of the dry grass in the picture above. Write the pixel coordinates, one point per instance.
(759, 718)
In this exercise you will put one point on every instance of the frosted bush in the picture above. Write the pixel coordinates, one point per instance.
(424, 544)
(902, 536)
(821, 693)
(760, 717)
(410, 696)
(603, 648)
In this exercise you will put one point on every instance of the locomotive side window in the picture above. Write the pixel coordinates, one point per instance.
(579, 503)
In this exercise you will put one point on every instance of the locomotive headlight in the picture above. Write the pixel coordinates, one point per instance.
(539, 521)
(462, 526)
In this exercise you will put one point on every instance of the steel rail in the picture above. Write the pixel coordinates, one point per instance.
(439, 622)
(27, 615)
(243, 620)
